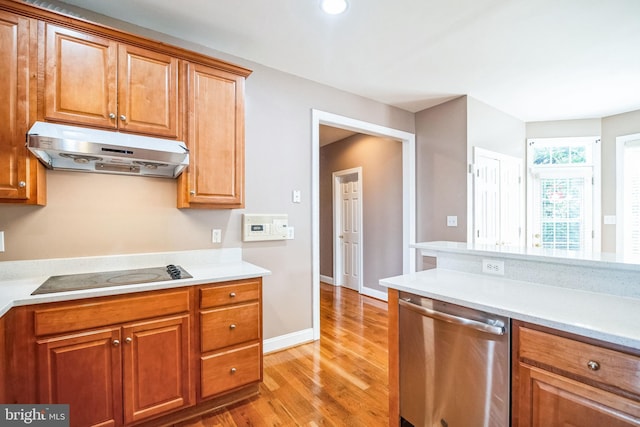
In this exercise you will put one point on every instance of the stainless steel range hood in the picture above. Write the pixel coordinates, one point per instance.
(90, 150)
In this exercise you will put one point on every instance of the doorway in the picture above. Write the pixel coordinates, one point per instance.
(408, 194)
(347, 225)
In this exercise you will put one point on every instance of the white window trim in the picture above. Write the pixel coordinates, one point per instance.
(620, 142)
(597, 185)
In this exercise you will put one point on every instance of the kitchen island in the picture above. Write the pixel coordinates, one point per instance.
(584, 304)
(139, 353)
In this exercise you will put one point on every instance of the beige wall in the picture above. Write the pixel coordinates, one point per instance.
(441, 171)
(90, 214)
(381, 162)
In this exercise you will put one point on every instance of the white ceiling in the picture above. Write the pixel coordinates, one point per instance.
(534, 59)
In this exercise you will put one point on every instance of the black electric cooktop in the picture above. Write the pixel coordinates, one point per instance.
(75, 282)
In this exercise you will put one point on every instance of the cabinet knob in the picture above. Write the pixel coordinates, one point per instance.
(22, 184)
(115, 343)
(192, 192)
(593, 365)
(112, 115)
(123, 117)
(233, 370)
(232, 294)
(128, 340)
(232, 326)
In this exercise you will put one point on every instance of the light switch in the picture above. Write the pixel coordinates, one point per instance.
(1, 241)
(216, 235)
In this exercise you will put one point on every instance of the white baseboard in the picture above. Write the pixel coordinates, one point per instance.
(374, 293)
(327, 279)
(288, 340)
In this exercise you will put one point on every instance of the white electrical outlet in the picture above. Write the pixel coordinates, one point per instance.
(493, 266)
(216, 235)
(1, 241)
(290, 233)
(452, 221)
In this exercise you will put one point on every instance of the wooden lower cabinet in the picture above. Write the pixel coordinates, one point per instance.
(83, 370)
(122, 373)
(564, 381)
(230, 337)
(145, 359)
(156, 367)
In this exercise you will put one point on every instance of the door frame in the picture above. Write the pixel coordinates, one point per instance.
(338, 267)
(408, 194)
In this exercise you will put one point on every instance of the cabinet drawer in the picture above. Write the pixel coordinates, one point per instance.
(232, 293)
(225, 371)
(231, 325)
(97, 313)
(589, 361)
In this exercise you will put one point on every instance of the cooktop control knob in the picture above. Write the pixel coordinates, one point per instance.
(174, 272)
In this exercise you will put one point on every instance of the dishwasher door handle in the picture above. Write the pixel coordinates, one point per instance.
(497, 329)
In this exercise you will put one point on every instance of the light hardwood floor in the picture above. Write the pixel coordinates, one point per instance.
(340, 380)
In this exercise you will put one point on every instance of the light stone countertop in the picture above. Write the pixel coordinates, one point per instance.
(18, 279)
(554, 256)
(611, 318)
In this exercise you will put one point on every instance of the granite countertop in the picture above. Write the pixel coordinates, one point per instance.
(18, 279)
(610, 318)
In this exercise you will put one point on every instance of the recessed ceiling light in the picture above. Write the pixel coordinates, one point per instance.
(333, 7)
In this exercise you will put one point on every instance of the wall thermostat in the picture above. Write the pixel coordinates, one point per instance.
(259, 227)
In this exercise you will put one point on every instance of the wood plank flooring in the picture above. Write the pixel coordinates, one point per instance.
(340, 380)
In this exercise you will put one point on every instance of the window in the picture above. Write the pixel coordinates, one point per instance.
(628, 196)
(563, 189)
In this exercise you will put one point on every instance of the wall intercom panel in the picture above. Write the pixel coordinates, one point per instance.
(260, 227)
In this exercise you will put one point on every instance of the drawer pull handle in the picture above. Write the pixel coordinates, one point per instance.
(233, 370)
(232, 326)
(593, 365)
(232, 294)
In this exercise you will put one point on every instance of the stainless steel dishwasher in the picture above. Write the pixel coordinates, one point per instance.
(454, 365)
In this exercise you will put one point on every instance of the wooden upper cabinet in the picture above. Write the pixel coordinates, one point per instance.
(21, 176)
(80, 78)
(215, 137)
(94, 81)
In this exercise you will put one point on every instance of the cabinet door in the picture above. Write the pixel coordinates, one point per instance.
(216, 139)
(156, 367)
(19, 171)
(147, 92)
(550, 400)
(84, 371)
(80, 78)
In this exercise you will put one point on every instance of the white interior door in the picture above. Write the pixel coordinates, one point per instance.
(348, 226)
(497, 199)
